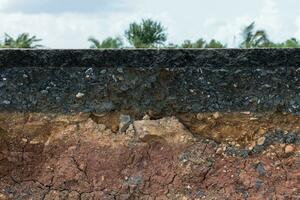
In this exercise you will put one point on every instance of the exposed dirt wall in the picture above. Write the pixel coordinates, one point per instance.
(51, 156)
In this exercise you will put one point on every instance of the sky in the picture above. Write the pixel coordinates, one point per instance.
(69, 23)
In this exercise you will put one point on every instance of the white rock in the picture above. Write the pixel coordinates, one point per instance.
(167, 129)
(79, 95)
(261, 140)
(289, 149)
(216, 115)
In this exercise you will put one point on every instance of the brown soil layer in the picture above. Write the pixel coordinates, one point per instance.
(204, 156)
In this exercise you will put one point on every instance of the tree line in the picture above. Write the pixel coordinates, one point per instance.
(152, 34)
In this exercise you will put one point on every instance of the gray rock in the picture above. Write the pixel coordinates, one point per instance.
(120, 70)
(44, 92)
(260, 169)
(104, 107)
(125, 121)
(6, 102)
(89, 73)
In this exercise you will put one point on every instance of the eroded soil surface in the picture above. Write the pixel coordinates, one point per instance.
(203, 156)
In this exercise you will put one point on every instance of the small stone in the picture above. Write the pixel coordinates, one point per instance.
(200, 116)
(146, 117)
(35, 141)
(124, 88)
(219, 151)
(260, 169)
(125, 121)
(25, 76)
(261, 140)
(79, 95)
(246, 113)
(289, 149)
(6, 102)
(252, 145)
(103, 71)
(89, 71)
(120, 70)
(216, 115)
(130, 130)
(44, 92)
(24, 140)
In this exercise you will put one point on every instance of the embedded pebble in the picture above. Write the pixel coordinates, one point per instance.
(216, 115)
(125, 121)
(289, 149)
(261, 140)
(146, 117)
(79, 95)
(6, 102)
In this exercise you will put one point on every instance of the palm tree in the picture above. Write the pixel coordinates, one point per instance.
(22, 41)
(146, 34)
(107, 43)
(254, 39)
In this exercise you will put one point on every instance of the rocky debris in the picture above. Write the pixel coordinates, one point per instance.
(125, 121)
(277, 137)
(239, 128)
(174, 90)
(167, 129)
(130, 130)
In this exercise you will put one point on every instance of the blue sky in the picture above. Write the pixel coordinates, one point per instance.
(68, 23)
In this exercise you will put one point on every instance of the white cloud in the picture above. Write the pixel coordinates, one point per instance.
(58, 6)
(3, 4)
(68, 30)
(229, 29)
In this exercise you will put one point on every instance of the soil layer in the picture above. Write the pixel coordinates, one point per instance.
(188, 156)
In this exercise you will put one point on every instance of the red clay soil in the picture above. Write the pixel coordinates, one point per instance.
(48, 156)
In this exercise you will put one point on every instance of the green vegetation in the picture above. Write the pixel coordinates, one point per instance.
(22, 41)
(107, 43)
(254, 39)
(290, 43)
(152, 34)
(201, 43)
(146, 34)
